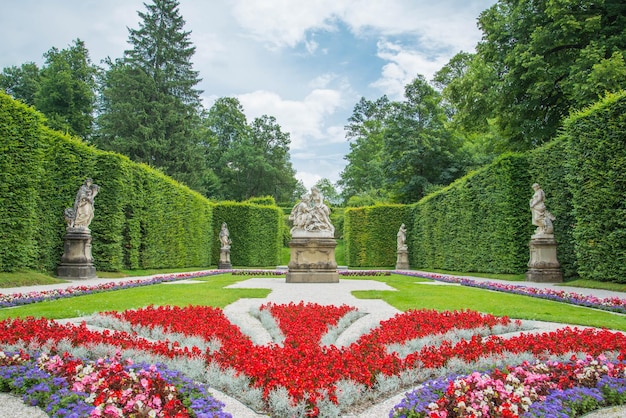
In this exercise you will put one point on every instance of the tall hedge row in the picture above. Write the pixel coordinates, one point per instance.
(370, 234)
(21, 156)
(143, 219)
(597, 146)
(256, 232)
(479, 223)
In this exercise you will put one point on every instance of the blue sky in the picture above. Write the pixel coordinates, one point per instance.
(307, 63)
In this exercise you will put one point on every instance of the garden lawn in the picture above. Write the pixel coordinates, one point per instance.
(209, 291)
(410, 295)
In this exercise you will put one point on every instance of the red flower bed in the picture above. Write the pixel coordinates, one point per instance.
(301, 364)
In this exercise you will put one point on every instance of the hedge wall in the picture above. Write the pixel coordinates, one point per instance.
(480, 223)
(370, 234)
(143, 219)
(256, 232)
(21, 156)
(597, 146)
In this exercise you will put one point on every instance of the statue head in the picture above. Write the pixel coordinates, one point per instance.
(536, 186)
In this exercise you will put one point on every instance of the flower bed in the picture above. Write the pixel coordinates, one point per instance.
(546, 389)
(311, 376)
(67, 386)
(613, 304)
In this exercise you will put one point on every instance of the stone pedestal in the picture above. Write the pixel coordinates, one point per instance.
(312, 259)
(402, 263)
(224, 263)
(543, 265)
(77, 261)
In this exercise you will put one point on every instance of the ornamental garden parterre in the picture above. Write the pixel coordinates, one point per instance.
(163, 361)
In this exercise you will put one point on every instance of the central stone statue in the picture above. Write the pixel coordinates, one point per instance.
(313, 244)
(311, 215)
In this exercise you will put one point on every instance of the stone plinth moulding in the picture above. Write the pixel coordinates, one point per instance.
(224, 263)
(312, 260)
(402, 263)
(77, 261)
(543, 266)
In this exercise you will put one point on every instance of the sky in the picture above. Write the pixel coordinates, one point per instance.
(305, 62)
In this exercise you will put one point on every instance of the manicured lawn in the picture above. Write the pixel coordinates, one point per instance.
(409, 295)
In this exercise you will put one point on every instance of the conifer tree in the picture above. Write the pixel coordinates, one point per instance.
(150, 105)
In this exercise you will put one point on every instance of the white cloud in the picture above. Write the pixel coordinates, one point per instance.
(280, 23)
(283, 22)
(403, 66)
(304, 119)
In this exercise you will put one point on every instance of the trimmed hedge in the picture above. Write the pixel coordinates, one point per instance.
(21, 157)
(480, 223)
(597, 147)
(370, 234)
(143, 219)
(256, 232)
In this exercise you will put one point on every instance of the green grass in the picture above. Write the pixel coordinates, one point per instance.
(592, 284)
(412, 295)
(210, 290)
(509, 277)
(26, 278)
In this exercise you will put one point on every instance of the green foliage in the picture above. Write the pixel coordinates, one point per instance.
(263, 201)
(143, 218)
(478, 223)
(67, 90)
(256, 233)
(249, 159)
(597, 179)
(21, 157)
(370, 234)
(150, 107)
(538, 60)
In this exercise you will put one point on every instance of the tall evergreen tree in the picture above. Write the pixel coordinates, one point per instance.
(150, 106)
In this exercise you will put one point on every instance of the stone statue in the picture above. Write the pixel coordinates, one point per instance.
(402, 238)
(541, 218)
(224, 236)
(81, 214)
(311, 214)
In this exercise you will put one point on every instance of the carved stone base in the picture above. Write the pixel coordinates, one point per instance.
(402, 263)
(312, 261)
(224, 263)
(77, 261)
(543, 265)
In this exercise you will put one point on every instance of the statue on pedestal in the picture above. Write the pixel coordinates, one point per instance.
(225, 242)
(543, 265)
(77, 260)
(402, 262)
(312, 246)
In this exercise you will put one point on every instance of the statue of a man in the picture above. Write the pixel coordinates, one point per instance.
(224, 236)
(541, 218)
(81, 215)
(402, 238)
